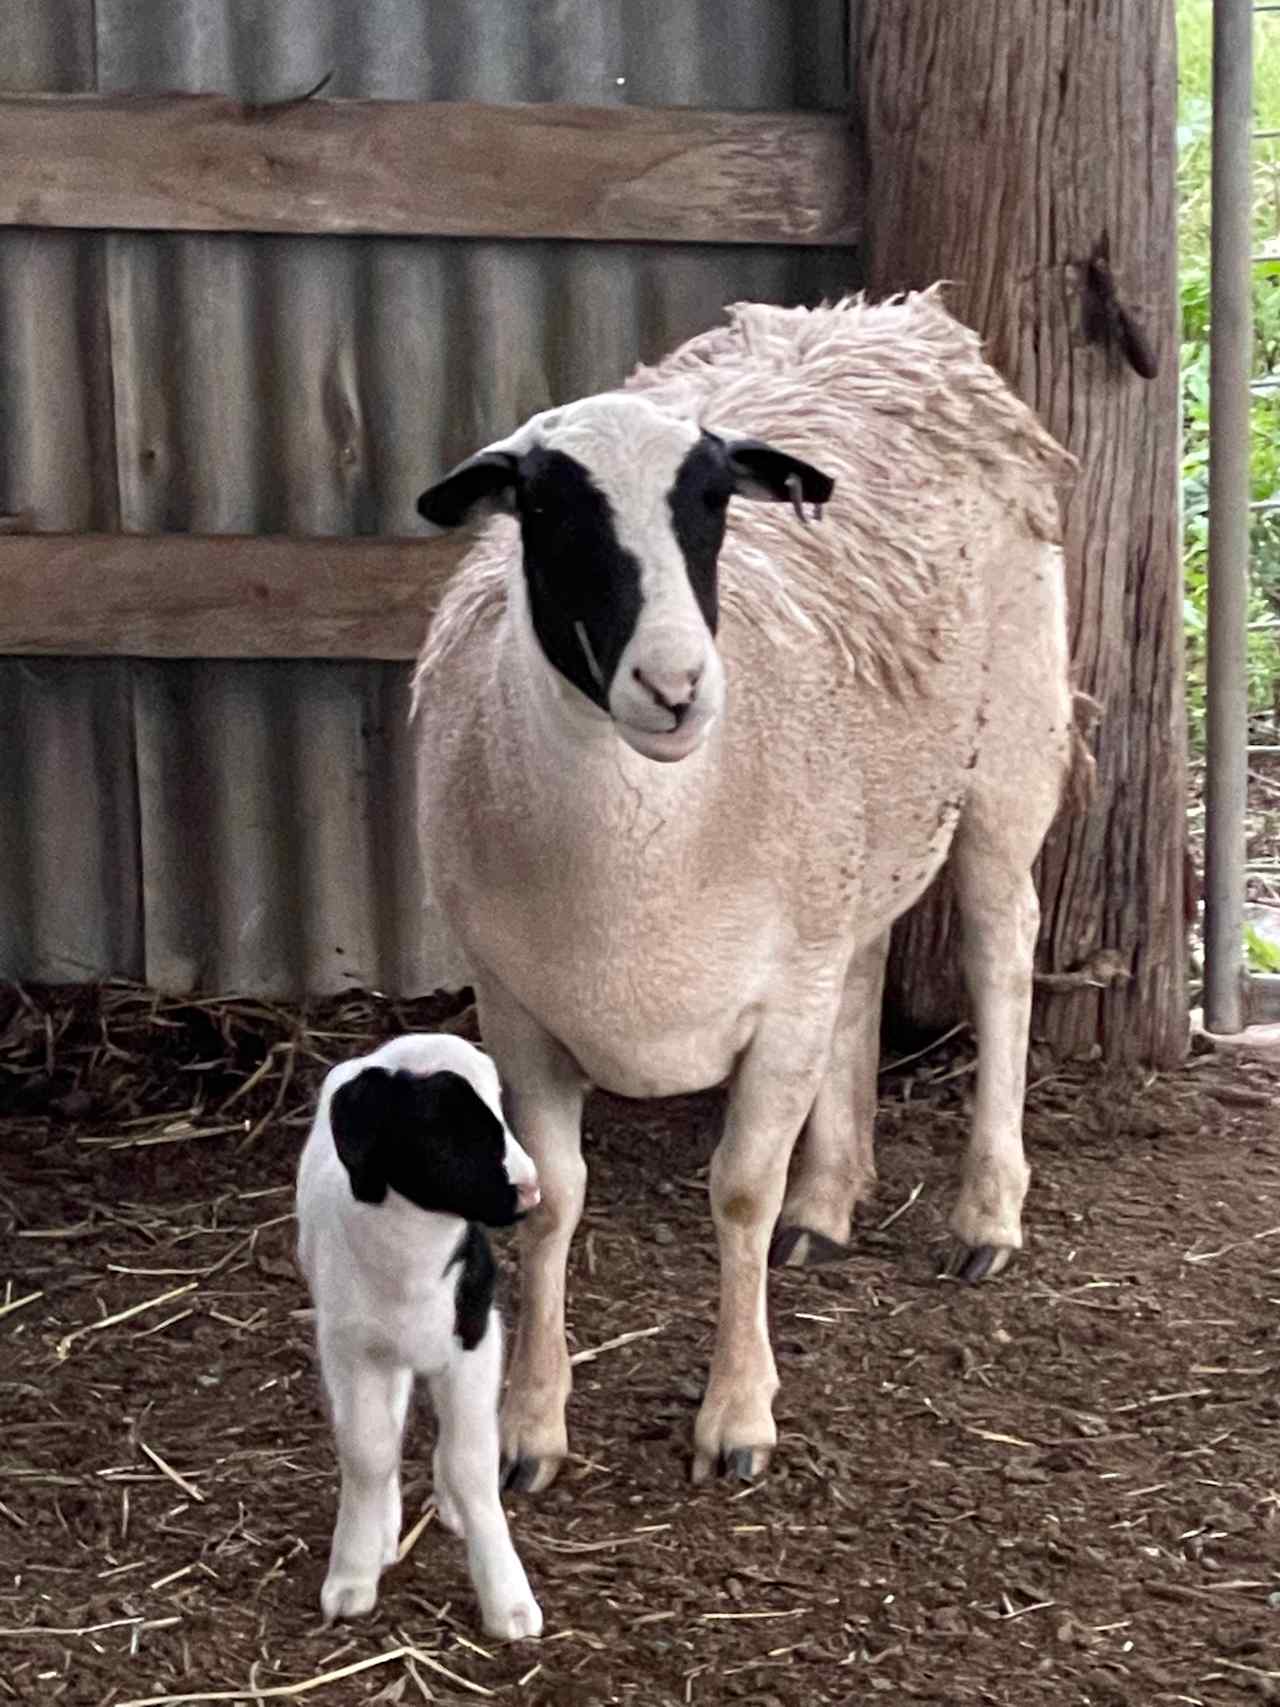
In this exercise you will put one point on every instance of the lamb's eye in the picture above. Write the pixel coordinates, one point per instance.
(715, 500)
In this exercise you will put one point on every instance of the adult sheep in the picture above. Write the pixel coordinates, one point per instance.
(838, 705)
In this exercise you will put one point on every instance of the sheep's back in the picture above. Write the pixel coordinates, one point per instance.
(941, 473)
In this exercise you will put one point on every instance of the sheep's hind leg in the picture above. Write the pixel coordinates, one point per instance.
(835, 1168)
(543, 1092)
(446, 1506)
(772, 1092)
(1001, 916)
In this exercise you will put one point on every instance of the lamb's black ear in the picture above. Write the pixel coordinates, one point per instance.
(487, 479)
(363, 1113)
(760, 471)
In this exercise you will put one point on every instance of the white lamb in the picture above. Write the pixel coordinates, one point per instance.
(408, 1159)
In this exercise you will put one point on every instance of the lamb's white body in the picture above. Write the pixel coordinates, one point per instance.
(896, 689)
(385, 1297)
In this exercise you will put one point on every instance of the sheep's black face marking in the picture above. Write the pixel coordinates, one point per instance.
(430, 1137)
(473, 1296)
(580, 578)
(699, 504)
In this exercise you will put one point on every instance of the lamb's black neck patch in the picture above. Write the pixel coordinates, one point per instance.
(431, 1137)
(477, 1279)
(699, 503)
(581, 580)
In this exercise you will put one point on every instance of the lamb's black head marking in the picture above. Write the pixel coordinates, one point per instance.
(431, 1137)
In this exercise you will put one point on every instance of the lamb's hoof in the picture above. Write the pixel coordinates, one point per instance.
(973, 1263)
(517, 1623)
(347, 1597)
(799, 1247)
(736, 1464)
(529, 1475)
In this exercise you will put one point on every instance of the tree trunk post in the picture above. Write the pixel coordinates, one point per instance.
(1026, 153)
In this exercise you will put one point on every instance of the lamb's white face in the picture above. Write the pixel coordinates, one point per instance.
(622, 512)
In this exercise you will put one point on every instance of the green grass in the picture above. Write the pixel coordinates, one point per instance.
(1194, 106)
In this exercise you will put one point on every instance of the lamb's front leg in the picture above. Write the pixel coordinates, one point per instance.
(543, 1093)
(370, 1401)
(771, 1095)
(466, 1472)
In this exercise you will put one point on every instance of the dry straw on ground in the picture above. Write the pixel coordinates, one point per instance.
(1060, 1488)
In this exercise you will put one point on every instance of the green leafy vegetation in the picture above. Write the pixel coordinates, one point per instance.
(1261, 953)
(1195, 89)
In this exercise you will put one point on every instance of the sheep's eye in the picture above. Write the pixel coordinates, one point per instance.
(715, 500)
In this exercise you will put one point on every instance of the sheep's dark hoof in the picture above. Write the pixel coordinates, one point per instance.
(799, 1247)
(528, 1475)
(738, 1464)
(973, 1263)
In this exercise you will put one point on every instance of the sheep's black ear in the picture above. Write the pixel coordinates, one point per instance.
(760, 471)
(363, 1113)
(487, 480)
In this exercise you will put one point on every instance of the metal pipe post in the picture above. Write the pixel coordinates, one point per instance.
(1230, 367)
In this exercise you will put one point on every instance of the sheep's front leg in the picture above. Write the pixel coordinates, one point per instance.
(466, 1471)
(370, 1401)
(835, 1168)
(771, 1095)
(543, 1092)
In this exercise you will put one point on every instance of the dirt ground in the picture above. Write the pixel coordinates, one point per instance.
(1061, 1487)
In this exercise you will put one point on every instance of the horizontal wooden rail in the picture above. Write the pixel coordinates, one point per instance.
(219, 595)
(439, 169)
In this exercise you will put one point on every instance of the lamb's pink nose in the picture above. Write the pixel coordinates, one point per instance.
(528, 1196)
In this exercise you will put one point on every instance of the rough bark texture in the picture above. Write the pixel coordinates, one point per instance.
(1009, 149)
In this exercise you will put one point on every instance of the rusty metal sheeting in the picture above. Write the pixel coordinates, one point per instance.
(250, 826)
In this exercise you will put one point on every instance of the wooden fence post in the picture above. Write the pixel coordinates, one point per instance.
(1027, 153)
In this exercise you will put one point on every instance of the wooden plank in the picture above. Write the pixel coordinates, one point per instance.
(219, 596)
(442, 169)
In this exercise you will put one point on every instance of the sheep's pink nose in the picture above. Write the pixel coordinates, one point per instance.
(528, 1196)
(674, 690)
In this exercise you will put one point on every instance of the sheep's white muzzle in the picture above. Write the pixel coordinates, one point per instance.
(667, 746)
(667, 692)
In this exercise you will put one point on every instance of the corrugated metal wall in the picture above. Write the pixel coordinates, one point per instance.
(249, 826)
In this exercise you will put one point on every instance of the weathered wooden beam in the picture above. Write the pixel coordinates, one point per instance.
(219, 595)
(442, 169)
